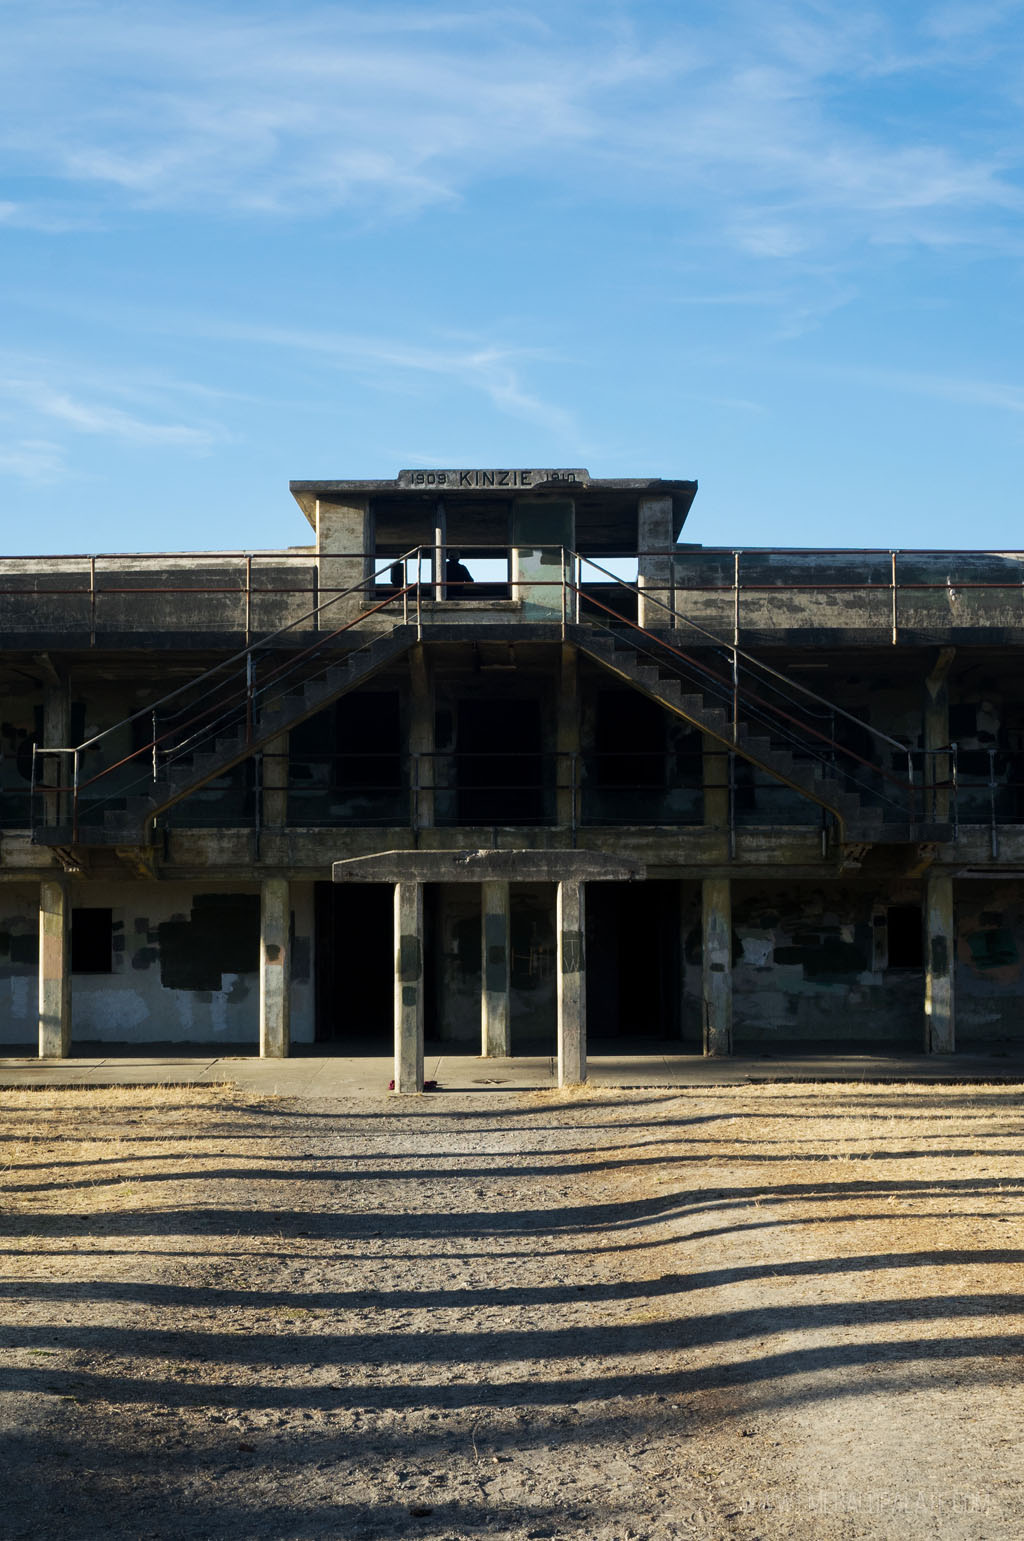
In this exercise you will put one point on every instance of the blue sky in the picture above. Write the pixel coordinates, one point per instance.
(775, 246)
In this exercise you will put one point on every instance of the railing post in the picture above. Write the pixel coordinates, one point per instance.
(895, 617)
(74, 795)
(440, 541)
(735, 695)
(249, 674)
(993, 832)
(92, 601)
(955, 779)
(735, 599)
(419, 593)
(153, 726)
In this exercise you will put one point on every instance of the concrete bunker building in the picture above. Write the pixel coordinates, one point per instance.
(499, 761)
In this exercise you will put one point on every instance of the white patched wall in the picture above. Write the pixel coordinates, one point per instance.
(159, 963)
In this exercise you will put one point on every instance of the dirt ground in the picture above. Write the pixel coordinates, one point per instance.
(783, 1311)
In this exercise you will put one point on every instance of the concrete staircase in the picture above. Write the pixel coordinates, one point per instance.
(798, 759)
(244, 725)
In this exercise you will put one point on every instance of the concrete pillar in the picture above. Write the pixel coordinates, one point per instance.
(572, 982)
(655, 539)
(496, 950)
(275, 969)
(440, 550)
(408, 987)
(344, 545)
(939, 957)
(57, 769)
(937, 766)
(54, 970)
(421, 739)
(716, 1014)
(568, 744)
(715, 770)
(274, 812)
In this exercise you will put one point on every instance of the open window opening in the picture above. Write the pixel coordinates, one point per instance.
(92, 941)
(905, 936)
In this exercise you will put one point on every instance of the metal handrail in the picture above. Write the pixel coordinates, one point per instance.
(223, 694)
(650, 595)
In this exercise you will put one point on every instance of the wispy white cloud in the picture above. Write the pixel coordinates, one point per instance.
(52, 402)
(103, 419)
(488, 369)
(49, 403)
(32, 460)
(964, 390)
(743, 114)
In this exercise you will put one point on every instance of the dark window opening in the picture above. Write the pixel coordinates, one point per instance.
(369, 740)
(346, 765)
(355, 963)
(92, 941)
(629, 741)
(906, 939)
(498, 762)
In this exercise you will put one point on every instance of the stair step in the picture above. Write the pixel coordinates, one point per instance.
(133, 806)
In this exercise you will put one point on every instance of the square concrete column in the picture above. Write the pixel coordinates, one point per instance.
(421, 739)
(655, 539)
(57, 768)
(344, 547)
(274, 812)
(408, 987)
(495, 1015)
(567, 796)
(572, 985)
(717, 803)
(54, 970)
(275, 969)
(716, 991)
(939, 957)
(937, 765)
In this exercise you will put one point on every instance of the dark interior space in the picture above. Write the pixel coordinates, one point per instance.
(634, 965)
(92, 940)
(905, 927)
(355, 964)
(346, 763)
(498, 762)
(533, 963)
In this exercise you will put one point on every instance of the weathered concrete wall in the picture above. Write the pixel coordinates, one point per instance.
(990, 965)
(969, 595)
(454, 965)
(136, 600)
(184, 965)
(810, 974)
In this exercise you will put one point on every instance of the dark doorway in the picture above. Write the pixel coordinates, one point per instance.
(498, 762)
(355, 968)
(634, 966)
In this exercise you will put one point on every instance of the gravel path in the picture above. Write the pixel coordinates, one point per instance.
(525, 1316)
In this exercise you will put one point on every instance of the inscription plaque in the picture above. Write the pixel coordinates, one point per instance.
(474, 480)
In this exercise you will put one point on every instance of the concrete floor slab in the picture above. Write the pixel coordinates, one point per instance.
(369, 1075)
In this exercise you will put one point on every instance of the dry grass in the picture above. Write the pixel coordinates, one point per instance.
(825, 1280)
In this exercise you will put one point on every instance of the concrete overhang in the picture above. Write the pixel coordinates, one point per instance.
(485, 866)
(610, 498)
